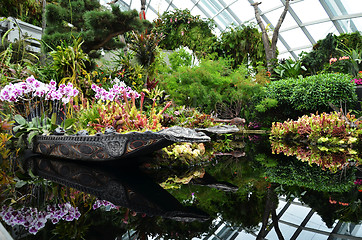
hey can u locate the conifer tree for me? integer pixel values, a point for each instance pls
(87, 19)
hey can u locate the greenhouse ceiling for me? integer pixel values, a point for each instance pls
(307, 21)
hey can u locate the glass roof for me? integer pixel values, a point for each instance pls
(307, 21)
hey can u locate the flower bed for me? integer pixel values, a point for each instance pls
(327, 129)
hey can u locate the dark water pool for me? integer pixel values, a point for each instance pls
(246, 192)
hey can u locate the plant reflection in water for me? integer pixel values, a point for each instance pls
(236, 192)
(33, 219)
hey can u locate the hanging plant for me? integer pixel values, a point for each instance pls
(180, 28)
(244, 45)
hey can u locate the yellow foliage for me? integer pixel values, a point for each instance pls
(5, 178)
(4, 138)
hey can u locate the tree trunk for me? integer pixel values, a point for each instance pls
(270, 210)
(106, 39)
(270, 47)
(143, 5)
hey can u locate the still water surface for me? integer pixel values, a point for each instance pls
(246, 193)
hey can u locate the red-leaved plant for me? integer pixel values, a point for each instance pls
(124, 116)
(333, 128)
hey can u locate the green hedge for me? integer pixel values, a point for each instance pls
(311, 94)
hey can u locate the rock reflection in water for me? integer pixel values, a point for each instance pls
(128, 187)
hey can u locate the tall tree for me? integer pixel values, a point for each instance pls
(270, 47)
(95, 24)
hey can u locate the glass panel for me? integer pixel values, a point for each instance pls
(357, 231)
(243, 10)
(224, 19)
(150, 15)
(215, 4)
(182, 4)
(281, 205)
(103, 2)
(228, 2)
(343, 7)
(333, 7)
(295, 38)
(295, 214)
(350, 229)
(275, 15)
(232, 15)
(351, 6)
(269, 5)
(210, 11)
(281, 47)
(309, 10)
(321, 30)
(123, 5)
(136, 5)
(127, 2)
(220, 23)
(160, 6)
(226, 16)
(196, 11)
(311, 236)
(286, 230)
(316, 222)
(245, 236)
(358, 23)
(306, 50)
(347, 25)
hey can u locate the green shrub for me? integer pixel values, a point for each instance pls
(180, 58)
(306, 95)
(266, 104)
(209, 84)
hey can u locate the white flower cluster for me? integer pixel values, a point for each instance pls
(119, 88)
(31, 88)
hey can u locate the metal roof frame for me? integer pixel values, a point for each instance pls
(224, 15)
